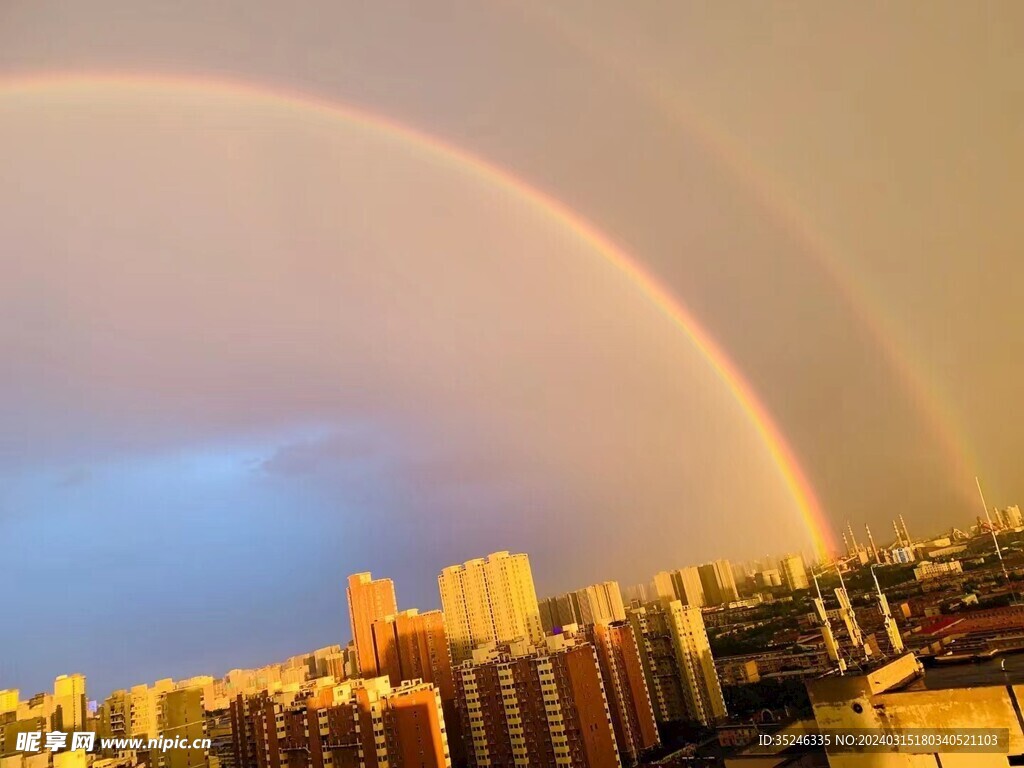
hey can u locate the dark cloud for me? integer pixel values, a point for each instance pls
(328, 453)
(73, 478)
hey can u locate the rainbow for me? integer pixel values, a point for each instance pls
(781, 453)
(771, 194)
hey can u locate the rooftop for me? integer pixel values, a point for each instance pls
(1002, 670)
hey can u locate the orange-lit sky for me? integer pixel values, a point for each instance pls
(250, 348)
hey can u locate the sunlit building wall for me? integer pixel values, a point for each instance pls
(369, 599)
(719, 585)
(683, 584)
(677, 662)
(540, 708)
(625, 686)
(793, 571)
(489, 600)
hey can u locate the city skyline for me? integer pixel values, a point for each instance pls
(292, 296)
(384, 588)
(610, 686)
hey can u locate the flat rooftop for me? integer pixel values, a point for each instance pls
(1002, 670)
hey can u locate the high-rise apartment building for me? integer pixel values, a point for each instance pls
(182, 716)
(144, 708)
(114, 716)
(489, 600)
(524, 707)
(683, 584)
(658, 659)
(557, 612)
(719, 584)
(9, 700)
(794, 572)
(625, 687)
(677, 662)
(365, 723)
(69, 703)
(602, 603)
(413, 646)
(369, 599)
(702, 690)
(598, 602)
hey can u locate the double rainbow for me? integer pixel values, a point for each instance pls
(782, 454)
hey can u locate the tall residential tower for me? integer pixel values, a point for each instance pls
(489, 600)
(369, 599)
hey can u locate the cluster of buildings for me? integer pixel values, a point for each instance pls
(587, 679)
(496, 678)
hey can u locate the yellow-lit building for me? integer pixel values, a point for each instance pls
(718, 582)
(8, 700)
(69, 703)
(182, 716)
(489, 600)
(677, 662)
(683, 584)
(793, 570)
(369, 599)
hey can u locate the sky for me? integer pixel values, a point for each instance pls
(251, 347)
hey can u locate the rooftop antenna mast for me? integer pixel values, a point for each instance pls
(849, 616)
(826, 629)
(891, 630)
(995, 540)
(871, 541)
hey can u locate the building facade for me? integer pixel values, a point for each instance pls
(718, 582)
(683, 584)
(369, 599)
(489, 600)
(636, 730)
(793, 571)
(677, 662)
(530, 708)
(365, 723)
(410, 645)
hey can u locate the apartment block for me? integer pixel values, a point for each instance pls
(677, 662)
(719, 583)
(369, 599)
(414, 646)
(586, 606)
(366, 723)
(636, 730)
(683, 584)
(541, 708)
(489, 600)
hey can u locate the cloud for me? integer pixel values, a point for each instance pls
(308, 457)
(74, 478)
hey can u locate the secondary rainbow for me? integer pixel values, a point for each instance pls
(771, 193)
(783, 456)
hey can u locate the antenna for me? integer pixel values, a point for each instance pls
(995, 540)
(871, 541)
(848, 615)
(906, 533)
(891, 630)
(831, 646)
